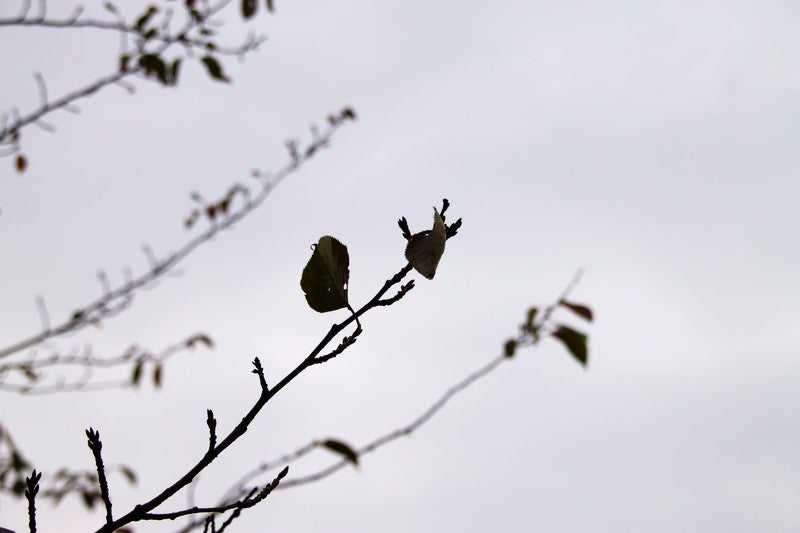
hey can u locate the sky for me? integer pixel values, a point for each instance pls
(652, 144)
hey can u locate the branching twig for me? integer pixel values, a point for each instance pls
(32, 368)
(266, 394)
(114, 301)
(10, 132)
(240, 487)
(253, 497)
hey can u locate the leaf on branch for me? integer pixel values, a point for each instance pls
(425, 249)
(579, 309)
(509, 348)
(136, 374)
(530, 325)
(129, 474)
(157, 375)
(270, 6)
(145, 18)
(214, 69)
(201, 338)
(29, 373)
(173, 72)
(154, 66)
(21, 162)
(342, 449)
(325, 277)
(575, 342)
(249, 8)
(89, 498)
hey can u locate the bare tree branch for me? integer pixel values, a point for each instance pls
(143, 35)
(266, 394)
(114, 301)
(525, 338)
(33, 372)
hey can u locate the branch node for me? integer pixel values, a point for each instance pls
(260, 371)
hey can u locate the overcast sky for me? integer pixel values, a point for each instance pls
(655, 144)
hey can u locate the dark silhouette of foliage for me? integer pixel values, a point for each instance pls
(155, 46)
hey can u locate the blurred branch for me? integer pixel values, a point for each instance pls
(148, 40)
(114, 301)
(135, 358)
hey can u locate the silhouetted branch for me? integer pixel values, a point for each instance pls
(526, 338)
(253, 497)
(113, 302)
(31, 490)
(97, 446)
(266, 394)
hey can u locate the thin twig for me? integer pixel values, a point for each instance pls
(122, 294)
(264, 397)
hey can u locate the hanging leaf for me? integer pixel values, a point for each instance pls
(270, 6)
(129, 474)
(154, 66)
(249, 8)
(89, 498)
(174, 70)
(425, 249)
(509, 348)
(21, 163)
(325, 277)
(136, 375)
(342, 449)
(214, 69)
(580, 310)
(157, 375)
(575, 342)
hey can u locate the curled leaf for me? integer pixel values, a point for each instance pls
(342, 449)
(325, 277)
(425, 249)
